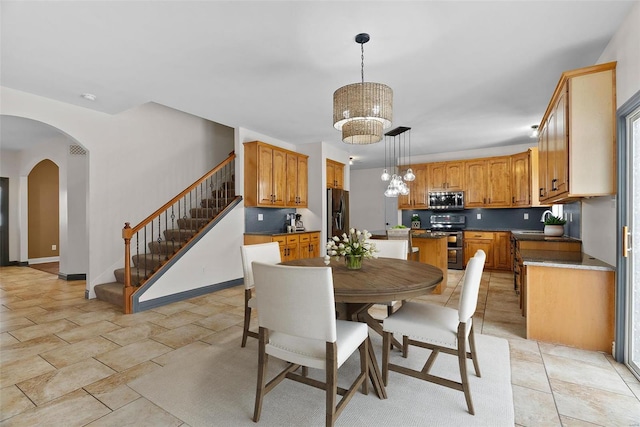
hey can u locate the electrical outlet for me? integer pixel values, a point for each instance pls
(570, 216)
(260, 217)
(53, 247)
(526, 216)
(479, 216)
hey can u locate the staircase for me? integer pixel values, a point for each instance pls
(170, 230)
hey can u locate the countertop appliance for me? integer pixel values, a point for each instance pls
(449, 200)
(337, 212)
(452, 225)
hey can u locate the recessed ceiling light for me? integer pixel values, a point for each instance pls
(89, 96)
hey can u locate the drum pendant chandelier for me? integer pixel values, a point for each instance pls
(362, 111)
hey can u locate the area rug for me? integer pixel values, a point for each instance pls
(216, 387)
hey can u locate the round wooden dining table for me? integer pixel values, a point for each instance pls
(380, 280)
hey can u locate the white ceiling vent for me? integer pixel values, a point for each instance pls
(76, 150)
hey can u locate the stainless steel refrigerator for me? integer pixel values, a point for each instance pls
(337, 212)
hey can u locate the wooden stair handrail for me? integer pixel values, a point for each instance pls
(128, 232)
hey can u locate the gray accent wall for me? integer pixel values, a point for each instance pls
(501, 219)
(272, 219)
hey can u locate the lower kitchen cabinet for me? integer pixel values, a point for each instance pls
(292, 245)
(496, 245)
(570, 306)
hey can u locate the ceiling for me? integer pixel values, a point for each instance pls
(465, 75)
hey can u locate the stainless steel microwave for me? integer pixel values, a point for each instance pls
(446, 200)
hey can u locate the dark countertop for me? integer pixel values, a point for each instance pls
(563, 259)
(519, 235)
(278, 233)
(426, 234)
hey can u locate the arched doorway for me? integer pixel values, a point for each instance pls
(43, 217)
(25, 144)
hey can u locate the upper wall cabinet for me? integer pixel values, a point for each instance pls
(577, 136)
(267, 171)
(335, 174)
(297, 180)
(488, 182)
(417, 197)
(446, 176)
(521, 179)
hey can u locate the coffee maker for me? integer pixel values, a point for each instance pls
(299, 225)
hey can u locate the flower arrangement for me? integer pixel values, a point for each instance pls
(353, 247)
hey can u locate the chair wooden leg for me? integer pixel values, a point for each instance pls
(386, 344)
(364, 365)
(262, 369)
(462, 362)
(247, 316)
(474, 354)
(405, 346)
(331, 383)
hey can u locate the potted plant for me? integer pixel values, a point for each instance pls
(415, 221)
(554, 226)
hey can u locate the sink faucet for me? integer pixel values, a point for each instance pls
(544, 215)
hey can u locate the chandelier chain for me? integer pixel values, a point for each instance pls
(362, 61)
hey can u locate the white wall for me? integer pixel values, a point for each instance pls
(215, 259)
(599, 213)
(10, 168)
(137, 161)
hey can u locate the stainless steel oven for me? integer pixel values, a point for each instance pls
(452, 225)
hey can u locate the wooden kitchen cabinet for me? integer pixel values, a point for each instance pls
(292, 245)
(488, 182)
(577, 136)
(297, 180)
(570, 306)
(502, 250)
(496, 245)
(309, 245)
(418, 197)
(474, 240)
(335, 174)
(266, 177)
(521, 179)
(446, 176)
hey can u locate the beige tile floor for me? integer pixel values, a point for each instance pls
(66, 361)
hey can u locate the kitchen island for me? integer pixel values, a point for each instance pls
(432, 250)
(569, 298)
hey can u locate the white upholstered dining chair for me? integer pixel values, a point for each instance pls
(404, 234)
(391, 249)
(264, 252)
(296, 317)
(439, 329)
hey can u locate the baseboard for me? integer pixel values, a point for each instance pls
(157, 302)
(43, 260)
(70, 277)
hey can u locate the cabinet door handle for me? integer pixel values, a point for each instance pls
(484, 200)
(553, 184)
(513, 199)
(541, 192)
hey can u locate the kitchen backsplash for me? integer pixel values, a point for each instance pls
(272, 219)
(503, 219)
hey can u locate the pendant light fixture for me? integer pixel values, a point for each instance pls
(396, 141)
(362, 110)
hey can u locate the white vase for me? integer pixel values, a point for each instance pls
(554, 230)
